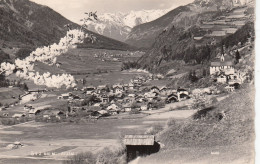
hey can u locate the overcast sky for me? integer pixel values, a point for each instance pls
(74, 9)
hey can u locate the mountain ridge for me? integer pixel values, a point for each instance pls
(184, 16)
(27, 24)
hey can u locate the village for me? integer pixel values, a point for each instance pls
(138, 96)
(135, 82)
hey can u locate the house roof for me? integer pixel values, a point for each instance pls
(198, 37)
(163, 87)
(227, 63)
(18, 115)
(155, 87)
(181, 89)
(139, 140)
(34, 111)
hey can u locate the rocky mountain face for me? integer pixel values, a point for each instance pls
(26, 24)
(119, 25)
(182, 17)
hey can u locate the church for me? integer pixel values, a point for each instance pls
(224, 65)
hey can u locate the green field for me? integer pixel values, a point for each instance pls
(6, 95)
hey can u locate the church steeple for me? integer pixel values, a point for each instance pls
(222, 58)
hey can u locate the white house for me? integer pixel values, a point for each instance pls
(118, 89)
(113, 107)
(90, 90)
(222, 79)
(131, 86)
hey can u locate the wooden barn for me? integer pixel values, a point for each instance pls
(140, 145)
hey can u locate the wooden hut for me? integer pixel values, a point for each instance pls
(140, 145)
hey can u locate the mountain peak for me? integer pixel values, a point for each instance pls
(118, 25)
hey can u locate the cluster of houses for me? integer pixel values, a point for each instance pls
(117, 57)
(223, 70)
(103, 100)
(132, 97)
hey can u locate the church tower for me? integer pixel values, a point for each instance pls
(222, 58)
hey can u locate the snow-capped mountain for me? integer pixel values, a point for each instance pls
(119, 25)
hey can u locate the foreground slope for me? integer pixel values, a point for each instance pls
(221, 134)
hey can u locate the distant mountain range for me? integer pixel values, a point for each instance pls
(119, 25)
(26, 24)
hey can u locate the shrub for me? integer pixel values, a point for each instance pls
(108, 156)
(171, 122)
(130, 64)
(155, 129)
(200, 101)
(105, 156)
(82, 158)
(23, 53)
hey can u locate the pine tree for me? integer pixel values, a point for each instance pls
(237, 56)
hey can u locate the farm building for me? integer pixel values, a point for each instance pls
(155, 89)
(118, 89)
(144, 107)
(27, 107)
(131, 86)
(222, 79)
(140, 145)
(182, 94)
(53, 114)
(113, 107)
(198, 37)
(127, 107)
(17, 115)
(64, 96)
(105, 98)
(34, 112)
(90, 89)
(172, 98)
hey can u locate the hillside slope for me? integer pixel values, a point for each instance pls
(25, 23)
(221, 134)
(182, 17)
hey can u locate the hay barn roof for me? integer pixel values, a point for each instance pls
(139, 140)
